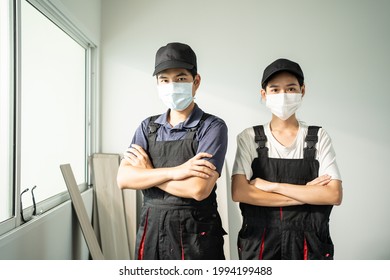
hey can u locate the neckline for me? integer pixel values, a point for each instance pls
(278, 145)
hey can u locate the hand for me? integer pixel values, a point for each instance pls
(194, 167)
(137, 157)
(321, 180)
(263, 185)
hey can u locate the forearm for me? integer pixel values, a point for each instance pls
(193, 187)
(130, 177)
(258, 197)
(330, 194)
(243, 191)
(194, 178)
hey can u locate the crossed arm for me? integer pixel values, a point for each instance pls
(192, 179)
(321, 191)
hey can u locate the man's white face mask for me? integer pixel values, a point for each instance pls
(283, 105)
(176, 96)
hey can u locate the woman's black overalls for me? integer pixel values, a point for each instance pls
(293, 232)
(175, 228)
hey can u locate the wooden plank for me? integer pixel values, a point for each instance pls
(81, 212)
(110, 206)
(133, 202)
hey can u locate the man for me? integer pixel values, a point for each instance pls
(175, 159)
(285, 176)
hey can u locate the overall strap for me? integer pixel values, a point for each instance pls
(153, 127)
(311, 140)
(260, 139)
(191, 132)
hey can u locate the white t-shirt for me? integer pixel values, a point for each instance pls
(246, 151)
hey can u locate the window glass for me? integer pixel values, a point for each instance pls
(53, 106)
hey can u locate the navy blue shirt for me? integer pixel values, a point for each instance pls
(212, 134)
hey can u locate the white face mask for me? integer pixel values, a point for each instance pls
(176, 96)
(283, 105)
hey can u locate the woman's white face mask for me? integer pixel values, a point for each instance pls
(176, 96)
(283, 105)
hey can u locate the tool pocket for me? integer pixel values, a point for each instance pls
(250, 242)
(202, 236)
(318, 249)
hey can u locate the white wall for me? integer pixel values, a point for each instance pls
(85, 14)
(342, 47)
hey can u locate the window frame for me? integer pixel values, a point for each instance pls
(10, 223)
(92, 142)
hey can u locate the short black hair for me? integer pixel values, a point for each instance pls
(193, 72)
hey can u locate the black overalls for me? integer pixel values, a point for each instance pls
(293, 232)
(174, 228)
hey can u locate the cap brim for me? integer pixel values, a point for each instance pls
(172, 64)
(266, 79)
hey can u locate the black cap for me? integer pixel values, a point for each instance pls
(280, 65)
(174, 55)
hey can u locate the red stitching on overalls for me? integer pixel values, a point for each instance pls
(142, 243)
(305, 249)
(262, 246)
(281, 213)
